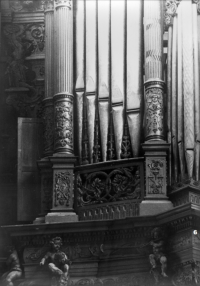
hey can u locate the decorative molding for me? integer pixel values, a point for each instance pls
(65, 3)
(154, 110)
(126, 143)
(62, 188)
(63, 123)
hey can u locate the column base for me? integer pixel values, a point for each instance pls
(153, 207)
(61, 217)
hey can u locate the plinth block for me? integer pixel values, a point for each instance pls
(154, 207)
(61, 217)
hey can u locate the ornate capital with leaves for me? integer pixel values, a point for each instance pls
(170, 11)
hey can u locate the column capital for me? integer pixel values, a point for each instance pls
(63, 3)
(49, 6)
(198, 7)
(170, 11)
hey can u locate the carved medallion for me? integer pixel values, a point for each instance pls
(62, 189)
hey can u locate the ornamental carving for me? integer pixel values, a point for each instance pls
(187, 276)
(155, 176)
(49, 5)
(67, 3)
(63, 125)
(154, 113)
(48, 129)
(27, 6)
(170, 11)
(101, 187)
(62, 189)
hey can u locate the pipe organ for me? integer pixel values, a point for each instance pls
(109, 79)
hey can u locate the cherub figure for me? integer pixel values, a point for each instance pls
(58, 262)
(158, 255)
(14, 270)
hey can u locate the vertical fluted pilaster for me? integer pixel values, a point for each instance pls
(154, 86)
(63, 98)
(64, 46)
(49, 55)
(153, 30)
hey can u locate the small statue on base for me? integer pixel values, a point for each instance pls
(14, 270)
(158, 256)
(58, 263)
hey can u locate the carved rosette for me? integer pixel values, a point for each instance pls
(48, 126)
(63, 123)
(154, 110)
(155, 177)
(63, 186)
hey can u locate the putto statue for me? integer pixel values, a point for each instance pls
(14, 270)
(158, 258)
(58, 263)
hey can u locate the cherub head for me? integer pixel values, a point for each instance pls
(56, 243)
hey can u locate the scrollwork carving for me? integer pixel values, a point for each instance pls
(63, 124)
(62, 188)
(102, 187)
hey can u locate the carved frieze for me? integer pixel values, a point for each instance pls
(62, 188)
(101, 187)
(63, 123)
(27, 6)
(154, 110)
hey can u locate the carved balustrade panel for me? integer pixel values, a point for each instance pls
(110, 190)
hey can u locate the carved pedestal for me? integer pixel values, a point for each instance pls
(63, 161)
(156, 200)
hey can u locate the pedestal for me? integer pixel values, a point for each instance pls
(63, 189)
(156, 200)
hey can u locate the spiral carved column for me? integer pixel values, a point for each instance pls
(155, 147)
(63, 159)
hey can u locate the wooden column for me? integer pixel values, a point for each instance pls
(63, 159)
(155, 147)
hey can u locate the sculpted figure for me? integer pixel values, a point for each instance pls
(14, 270)
(158, 257)
(58, 263)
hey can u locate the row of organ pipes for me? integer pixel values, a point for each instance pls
(118, 48)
